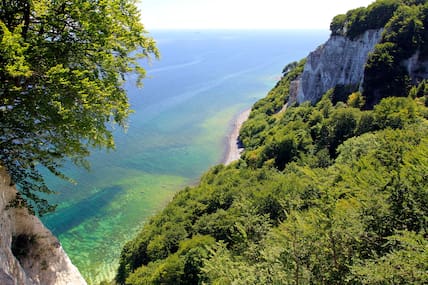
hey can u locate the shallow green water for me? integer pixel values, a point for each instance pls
(181, 121)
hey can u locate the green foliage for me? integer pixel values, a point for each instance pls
(261, 116)
(419, 90)
(182, 267)
(384, 76)
(356, 178)
(340, 93)
(405, 29)
(407, 264)
(396, 113)
(331, 193)
(62, 65)
(404, 35)
(357, 21)
(304, 132)
(356, 100)
(350, 221)
(337, 24)
(405, 25)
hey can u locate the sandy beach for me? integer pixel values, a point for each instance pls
(233, 152)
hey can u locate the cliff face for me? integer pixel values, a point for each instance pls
(416, 67)
(339, 61)
(29, 253)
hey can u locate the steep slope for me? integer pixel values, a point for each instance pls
(291, 213)
(330, 191)
(340, 61)
(380, 50)
(29, 253)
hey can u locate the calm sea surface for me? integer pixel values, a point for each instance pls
(181, 121)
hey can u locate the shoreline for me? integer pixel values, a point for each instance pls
(233, 151)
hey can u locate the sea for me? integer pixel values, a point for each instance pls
(182, 117)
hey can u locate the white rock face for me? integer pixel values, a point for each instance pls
(44, 262)
(339, 61)
(416, 67)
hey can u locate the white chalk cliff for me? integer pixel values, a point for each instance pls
(339, 61)
(37, 256)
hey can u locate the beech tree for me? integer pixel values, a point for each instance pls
(62, 66)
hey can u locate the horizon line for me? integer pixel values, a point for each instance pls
(237, 29)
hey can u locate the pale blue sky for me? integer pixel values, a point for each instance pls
(243, 14)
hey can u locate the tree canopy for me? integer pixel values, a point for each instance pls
(62, 66)
(331, 193)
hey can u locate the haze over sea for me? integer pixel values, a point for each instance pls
(182, 117)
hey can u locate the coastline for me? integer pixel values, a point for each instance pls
(233, 150)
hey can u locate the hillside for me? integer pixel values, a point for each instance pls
(332, 187)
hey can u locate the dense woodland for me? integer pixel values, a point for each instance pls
(331, 193)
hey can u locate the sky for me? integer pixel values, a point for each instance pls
(243, 14)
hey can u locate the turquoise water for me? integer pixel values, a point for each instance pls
(181, 121)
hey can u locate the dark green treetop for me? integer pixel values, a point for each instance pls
(62, 66)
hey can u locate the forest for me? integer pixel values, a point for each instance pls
(330, 193)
